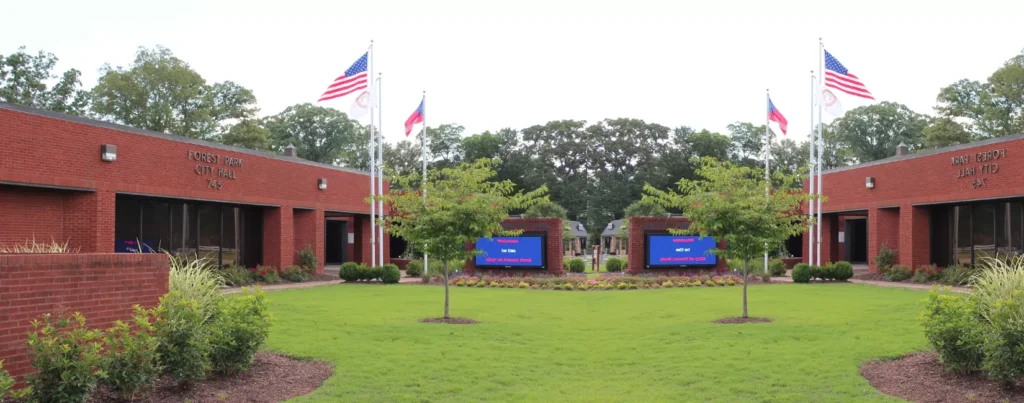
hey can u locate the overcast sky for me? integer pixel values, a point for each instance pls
(489, 67)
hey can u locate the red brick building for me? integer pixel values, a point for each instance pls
(105, 188)
(945, 206)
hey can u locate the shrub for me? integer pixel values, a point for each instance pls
(886, 258)
(350, 272)
(927, 273)
(897, 273)
(197, 280)
(236, 275)
(307, 259)
(801, 273)
(614, 264)
(66, 356)
(184, 342)
(295, 274)
(817, 272)
(951, 326)
(777, 267)
(843, 271)
(1004, 342)
(414, 268)
(958, 275)
(828, 272)
(390, 274)
(622, 286)
(373, 273)
(237, 331)
(131, 362)
(577, 265)
(7, 383)
(267, 274)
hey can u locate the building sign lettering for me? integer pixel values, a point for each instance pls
(985, 163)
(215, 167)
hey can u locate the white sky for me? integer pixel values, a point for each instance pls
(493, 66)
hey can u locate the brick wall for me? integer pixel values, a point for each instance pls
(45, 225)
(903, 185)
(103, 287)
(157, 164)
(635, 252)
(553, 228)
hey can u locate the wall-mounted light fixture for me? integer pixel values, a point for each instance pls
(108, 152)
(869, 182)
(322, 184)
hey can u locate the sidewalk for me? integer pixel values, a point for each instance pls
(909, 286)
(288, 286)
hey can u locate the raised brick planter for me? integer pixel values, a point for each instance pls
(553, 227)
(103, 287)
(639, 225)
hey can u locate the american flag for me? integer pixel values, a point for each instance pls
(838, 77)
(353, 80)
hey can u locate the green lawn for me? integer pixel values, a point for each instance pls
(641, 345)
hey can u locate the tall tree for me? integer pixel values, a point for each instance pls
(944, 132)
(988, 109)
(789, 157)
(461, 205)
(320, 134)
(549, 209)
(26, 80)
(403, 157)
(624, 157)
(248, 133)
(728, 203)
(872, 132)
(445, 144)
(639, 208)
(563, 150)
(747, 143)
(161, 92)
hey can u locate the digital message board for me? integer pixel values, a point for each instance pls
(668, 251)
(521, 252)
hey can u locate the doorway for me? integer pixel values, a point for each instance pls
(336, 242)
(856, 242)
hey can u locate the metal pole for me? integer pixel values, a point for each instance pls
(810, 180)
(767, 176)
(821, 146)
(373, 182)
(423, 147)
(380, 165)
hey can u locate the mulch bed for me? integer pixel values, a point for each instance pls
(323, 277)
(450, 321)
(272, 378)
(921, 378)
(729, 321)
(869, 276)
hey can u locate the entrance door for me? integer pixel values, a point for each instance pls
(856, 240)
(336, 242)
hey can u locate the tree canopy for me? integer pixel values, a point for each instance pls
(30, 80)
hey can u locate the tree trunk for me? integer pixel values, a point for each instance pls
(745, 288)
(446, 292)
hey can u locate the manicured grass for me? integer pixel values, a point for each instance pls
(641, 345)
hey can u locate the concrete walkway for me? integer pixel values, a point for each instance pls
(909, 286)
(284, 286)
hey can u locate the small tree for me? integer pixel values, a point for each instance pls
(728, 202)
(461, 205)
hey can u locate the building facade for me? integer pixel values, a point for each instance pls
(954, 205)
(107, 188)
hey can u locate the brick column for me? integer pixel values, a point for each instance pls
(88, 222)
(829, 238)
(915, 236)
(309, 230)
(883, 228)
(278, 242)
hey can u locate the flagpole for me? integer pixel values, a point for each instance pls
(767, 150)
(810, 181)
(373, 182)
(423, 147)
(380, 165)
(821, 146)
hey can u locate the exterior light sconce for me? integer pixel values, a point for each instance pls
(108, 153)
(869, 182)
(322, 184)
